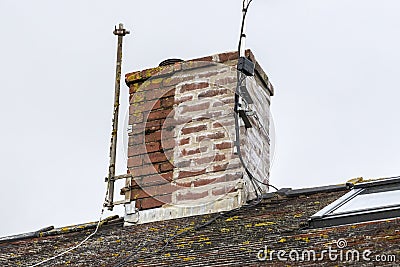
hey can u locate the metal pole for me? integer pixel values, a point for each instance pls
(120, 32)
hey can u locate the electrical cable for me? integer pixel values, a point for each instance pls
(244, 9)
(75, 247)
(255, 182)
(81, 243)
(236, 108)
(168, 240)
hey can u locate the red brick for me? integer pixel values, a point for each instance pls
(151, 84)
(153, 191)
(168, 175)
(170, 92)
(152, 147)
(210, 159)
(137, 128)
(135, 99)
(188, 152)
(209, 74)
(229, 100)
(149, 203)
(144, 170)
(145, 106)
(168, 132)
(136, 139)
(153, 137)
(183, 99)
(133, 183)
(232, 177)
(215, 114)
(218, 135)
(184, 184)
(212, 93)
(160, 93)
(153, 125)
(155, 179)
(136, 150)
(222, 167)
(226, 80)
(169, 153)
(182, 164)
(226, 166)
(156, 157)
(206, 59)
(184, 174)
(203, 182)
(217, 104)
(164, 70)
(133, 88)
(195, 107)
(223, 57)
(169, 123)
(168, 144)
(135, 118)
(167, 102)
(184, 141)
(193, 129)
(135, 161)
(172, 81)
(167, 166)
(223, 191)
(219, 125)
(159, 114)
(191, 195)
(133, 76)
(223, 145)
(163, 189)
(194, 86)
(137, 193)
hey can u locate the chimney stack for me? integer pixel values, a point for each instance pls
(181, 154)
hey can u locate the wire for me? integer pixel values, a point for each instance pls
(256, 186)
(168, 240)
(255, 182)
(245, 8)
(77, 246)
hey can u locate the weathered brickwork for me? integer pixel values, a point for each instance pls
(181, 147)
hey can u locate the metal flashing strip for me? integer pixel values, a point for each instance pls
(314, 190)
(386, 181)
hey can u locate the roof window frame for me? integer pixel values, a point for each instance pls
(327, 217)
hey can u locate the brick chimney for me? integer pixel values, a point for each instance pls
(181, 153)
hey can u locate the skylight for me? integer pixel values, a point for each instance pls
(369, 201)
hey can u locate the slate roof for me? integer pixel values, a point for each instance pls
(279, 221)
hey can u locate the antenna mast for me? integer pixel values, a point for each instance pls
(242, 40)
(120, 32)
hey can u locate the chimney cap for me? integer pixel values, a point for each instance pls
(170, 61)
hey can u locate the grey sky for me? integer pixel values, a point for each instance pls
(334, 65)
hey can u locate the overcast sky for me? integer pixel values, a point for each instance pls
(334, 66)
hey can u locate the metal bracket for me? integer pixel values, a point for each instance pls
(120, 31)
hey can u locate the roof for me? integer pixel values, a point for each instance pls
(279, 222)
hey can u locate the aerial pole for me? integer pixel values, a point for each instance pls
(120, 32)
(242, 40)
